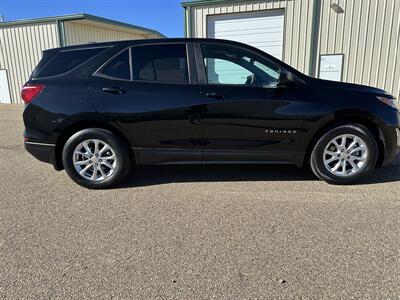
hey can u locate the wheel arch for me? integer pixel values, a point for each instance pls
(342, 120)
(68, 131)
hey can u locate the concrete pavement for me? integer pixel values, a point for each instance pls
(194, 232)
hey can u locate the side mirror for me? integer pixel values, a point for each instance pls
(286, 79)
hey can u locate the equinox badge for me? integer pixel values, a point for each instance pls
(281, 131)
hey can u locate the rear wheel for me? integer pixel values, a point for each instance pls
(95, 158)
(344, 154)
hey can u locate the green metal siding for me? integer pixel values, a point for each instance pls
(21, 49)
(297, 31)
(367, 33)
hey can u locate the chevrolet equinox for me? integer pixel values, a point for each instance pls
(96, 110)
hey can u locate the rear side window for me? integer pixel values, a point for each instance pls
(163, 63)
(65, 61)
(118, 67)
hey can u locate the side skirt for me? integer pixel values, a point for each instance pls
(175, 156)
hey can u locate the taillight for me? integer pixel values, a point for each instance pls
(30, 91)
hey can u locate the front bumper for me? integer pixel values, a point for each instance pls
(391, 138)
(41, 151)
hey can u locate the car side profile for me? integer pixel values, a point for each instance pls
(96, 110)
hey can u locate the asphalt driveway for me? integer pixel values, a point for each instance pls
(194, 232)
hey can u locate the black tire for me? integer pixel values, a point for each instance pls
(316, 159)
(121, 154)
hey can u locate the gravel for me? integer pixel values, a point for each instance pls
(194, 232)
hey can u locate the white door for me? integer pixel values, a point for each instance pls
(261, 29)
(4, 88)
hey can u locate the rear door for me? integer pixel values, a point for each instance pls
(247, 117)
(151, 93)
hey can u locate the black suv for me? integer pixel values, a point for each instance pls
(98, 109)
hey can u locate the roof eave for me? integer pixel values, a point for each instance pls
(204, 2)
(82, 16)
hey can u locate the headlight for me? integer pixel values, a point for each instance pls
(393, 102)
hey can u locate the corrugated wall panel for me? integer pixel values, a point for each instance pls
(394, 58)
(21, 49)
(297, 33)
(367, 33)
(78, 33)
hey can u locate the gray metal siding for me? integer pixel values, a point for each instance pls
(21, 49)
(367, 33)
(21, 45)
(297, 32)
(78, 33)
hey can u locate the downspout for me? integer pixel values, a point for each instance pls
(314, 40)
(188, 22)
(61, 33)
(185, 25)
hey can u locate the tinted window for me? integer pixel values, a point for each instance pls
(119, 66)
(65, 61)
(164, 63)
(231, 66)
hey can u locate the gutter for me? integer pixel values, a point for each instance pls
(82, 16)
(207, 2)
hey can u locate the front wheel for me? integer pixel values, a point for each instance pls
(344, 154)
(95, 158)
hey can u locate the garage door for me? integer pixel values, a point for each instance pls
(262, 29)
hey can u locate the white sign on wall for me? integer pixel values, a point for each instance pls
(330, 66)
(4, 88)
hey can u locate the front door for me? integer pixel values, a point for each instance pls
(247, 116)
(156, 101)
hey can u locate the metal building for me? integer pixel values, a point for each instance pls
(355, 41)
(22, 43)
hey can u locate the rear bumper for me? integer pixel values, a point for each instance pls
(41, 151)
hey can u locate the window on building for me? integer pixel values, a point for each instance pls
(237, 67)
(163, 63)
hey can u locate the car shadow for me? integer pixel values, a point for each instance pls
(390, 173)
(164, 174)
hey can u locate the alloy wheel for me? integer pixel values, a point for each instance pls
(94, 160)
(345, 155)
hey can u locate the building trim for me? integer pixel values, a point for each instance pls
(314, 40)
(206, 2)
(82, 16)
(61, 33)
(188, 22)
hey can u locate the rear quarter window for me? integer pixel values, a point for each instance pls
(65, 61)
(118, 67)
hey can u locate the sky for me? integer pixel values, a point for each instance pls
(165, 16)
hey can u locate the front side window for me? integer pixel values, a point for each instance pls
(160, 63)
(118, 67)
(236, 67)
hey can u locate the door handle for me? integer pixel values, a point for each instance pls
(215, 95)
(194, 120)
(114, 90)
